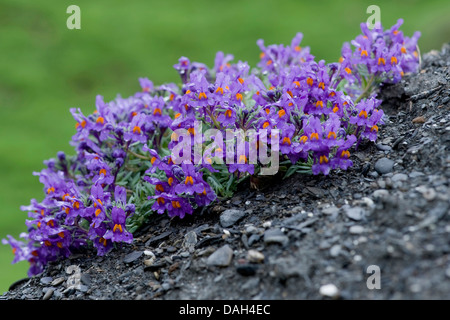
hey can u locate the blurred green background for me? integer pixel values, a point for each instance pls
(45, 68)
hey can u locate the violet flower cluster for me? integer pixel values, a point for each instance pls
(125, 169)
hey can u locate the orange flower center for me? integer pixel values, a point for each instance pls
(363, 113)
(242, 159)
(219, 89)
(323, 159)
(137, 130)
(345, 154)
(189, 180)
(176, 204)
(118, 227)
(286, 140)
(303, 139)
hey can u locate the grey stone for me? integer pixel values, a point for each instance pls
(221, 257)
(399, 177)
(355, 213)
(46, 280)
(356, 229)
(171, 249)
(335, 250)
(84, 288)
(384, 165)
(275, 236)
(48, 294)
(415, 174)
(332, 210)
(230, 217)
(383, 147)
(190, 239)
(253, 238)
(380, 193)
(58, 281)
(86, 279)
(133, 256)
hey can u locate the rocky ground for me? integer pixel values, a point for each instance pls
(306, 237)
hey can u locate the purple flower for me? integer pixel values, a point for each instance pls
(193, 181)
(371, 130)
(228, 117)
(242, 165)
(146, 85)
(331, 131)
(20, 250)
(363, 110)
(200, 89)
(286, 135)
(96, 235)
(118, 232)
(183, 66)
(312, 135)
(161, 202)
(156, 107)
(120, 195)
(222, 62)
(206, 196)
(321, 164)
(341, 159)
(178, 207)
(135, 130)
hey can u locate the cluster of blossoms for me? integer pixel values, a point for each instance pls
(126, 168)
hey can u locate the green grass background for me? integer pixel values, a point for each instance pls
(45, 68)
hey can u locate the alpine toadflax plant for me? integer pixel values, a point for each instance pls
(149, 152)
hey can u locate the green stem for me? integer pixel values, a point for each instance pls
(138, 155)
(366, 89)
(216, 124)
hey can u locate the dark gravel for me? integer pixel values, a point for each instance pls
(306, 237)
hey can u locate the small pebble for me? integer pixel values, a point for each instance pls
(267, 224)
(356, 229)
(230, 217)
(355, 213)
(48, 294)
(133, 256)
(275, 236)
(419, 119)
(221, 257)
(58, 281)
(46, 280)
(384, 165)
(255, 256)
(330, 291)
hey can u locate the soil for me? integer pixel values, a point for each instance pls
(380, 230)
